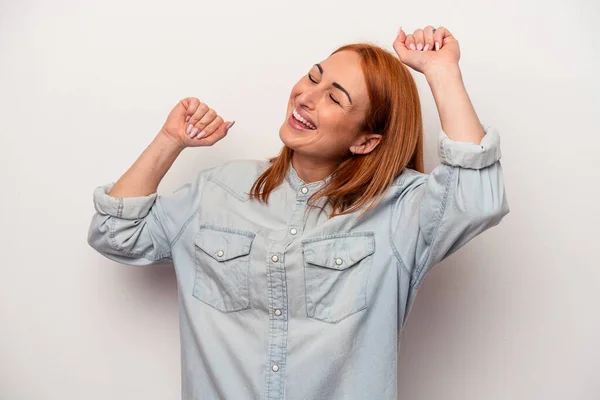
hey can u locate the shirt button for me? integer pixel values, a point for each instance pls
(304, 190)
(293, 231)
(338, 261)
(275, 258)
(278, 312)
(275, 367)
(220, 253)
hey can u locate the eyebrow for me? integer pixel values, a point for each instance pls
(335, 84)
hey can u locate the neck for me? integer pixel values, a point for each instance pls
(311, 169)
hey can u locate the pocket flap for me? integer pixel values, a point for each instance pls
(338, 252)
(224, 244)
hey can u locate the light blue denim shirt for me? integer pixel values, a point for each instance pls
(278, 301)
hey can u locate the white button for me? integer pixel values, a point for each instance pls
(220, 253)
(304, 190)
(293, 231)
(278, 312)
(338, 261)
(275, 258)
(275, 368)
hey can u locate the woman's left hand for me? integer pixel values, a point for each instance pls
(427, 49)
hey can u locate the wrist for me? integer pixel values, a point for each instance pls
(169, 142)
(441, 74)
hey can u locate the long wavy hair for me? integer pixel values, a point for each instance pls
(394, 112)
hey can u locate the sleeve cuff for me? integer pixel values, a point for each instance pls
(126, 207)
(468, 154)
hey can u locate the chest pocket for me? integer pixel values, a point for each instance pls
(336, 268)
(223, 267)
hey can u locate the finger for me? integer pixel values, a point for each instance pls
(210, 128)
(219, 134)
(439, 36)
(190, 104)
(203, 123)
(196, 116)
(419, 39)
(428, 33)
(410, 42)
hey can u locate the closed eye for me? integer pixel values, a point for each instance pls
(330, 96)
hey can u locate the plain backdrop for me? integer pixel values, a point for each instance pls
(84, 88)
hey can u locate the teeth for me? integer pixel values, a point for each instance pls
(299, 118)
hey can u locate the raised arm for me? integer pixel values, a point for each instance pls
(464, 195)
(132, 224)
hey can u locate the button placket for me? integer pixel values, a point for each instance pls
(278, 324)
(303, 193)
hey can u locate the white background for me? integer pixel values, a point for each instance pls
(85, 87)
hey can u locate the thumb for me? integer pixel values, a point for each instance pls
(186, 104)
(224, 128)
(399, 44)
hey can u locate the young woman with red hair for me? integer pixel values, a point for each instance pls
(296, 274)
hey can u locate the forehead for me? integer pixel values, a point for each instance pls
(345, 68)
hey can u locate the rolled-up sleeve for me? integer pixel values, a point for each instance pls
(141, 230)
(461, 198)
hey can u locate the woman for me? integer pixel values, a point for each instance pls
(296, 274)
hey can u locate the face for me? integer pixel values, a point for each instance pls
(332, 100)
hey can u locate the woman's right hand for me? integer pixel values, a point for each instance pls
(195, 124)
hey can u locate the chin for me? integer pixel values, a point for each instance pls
(286, 135)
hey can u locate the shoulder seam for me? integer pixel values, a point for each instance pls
(415, 279)
(228, 189)
(394, 249)
(194, 212)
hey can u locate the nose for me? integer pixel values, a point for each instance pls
(308, 98)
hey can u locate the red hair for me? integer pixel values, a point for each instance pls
(394, 112)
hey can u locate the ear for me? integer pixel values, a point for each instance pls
(365, 143)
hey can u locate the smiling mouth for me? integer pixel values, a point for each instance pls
(299, 122)
(298, 125)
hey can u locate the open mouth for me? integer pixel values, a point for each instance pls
(299, 122)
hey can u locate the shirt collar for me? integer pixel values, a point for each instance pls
(297, 184)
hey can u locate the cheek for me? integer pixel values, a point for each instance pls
(333, 119)
(296, 89)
